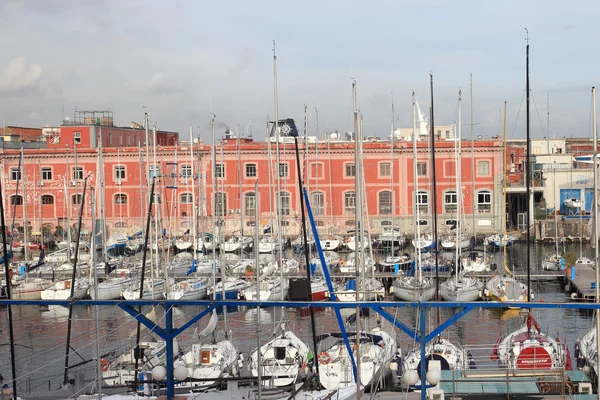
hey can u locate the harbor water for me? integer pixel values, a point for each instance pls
(40, 333)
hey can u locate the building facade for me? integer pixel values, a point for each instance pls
(51, 182)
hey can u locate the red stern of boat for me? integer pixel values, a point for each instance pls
(534, 358)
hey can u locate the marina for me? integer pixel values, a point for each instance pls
(373, 245)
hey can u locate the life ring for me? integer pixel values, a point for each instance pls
(103, 365)
(324, 358)
(123, 274)
(342, 263)
(348, 239)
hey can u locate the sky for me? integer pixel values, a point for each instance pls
(178, 59)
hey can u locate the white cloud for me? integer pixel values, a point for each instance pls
(19, 77)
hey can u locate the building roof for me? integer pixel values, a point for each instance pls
(26, 134)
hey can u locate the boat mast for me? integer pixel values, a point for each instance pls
(256, 260)
(416, 196)
(194, 215)
(527, 171)
(435, 226)
(595, 242)
(239, 148)
(213, 156)
(458, 169)
(23, 173)
(392, 178)
(95, 277)
(278, 160)
(472, 158)
(504, 240)
(357, 229)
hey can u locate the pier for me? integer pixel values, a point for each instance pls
(581, 283)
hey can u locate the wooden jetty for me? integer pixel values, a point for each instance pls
(581, 283)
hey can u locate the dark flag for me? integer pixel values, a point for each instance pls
(287, 127)
(267, 230)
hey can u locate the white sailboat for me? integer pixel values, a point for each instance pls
(461, 287)
(451, 356)
(270, 289)
(61, 290)
(111, 289)
(282, 359)
(415, 288)
(376, 350)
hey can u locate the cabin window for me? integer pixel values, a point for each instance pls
(47, 199)
(385, 169)
(422, 222)
(279, 353)
(317, 203)
(186, 171)
(186, 198)
(350, 170)
(385, 202)
(349, 202)
(250, 203)
(423, 202)
(250, 170)
(484, 201)
(422, 168)
(450, 201)
(450, 222)
(46, 173)
(386, 223)
(15, 174)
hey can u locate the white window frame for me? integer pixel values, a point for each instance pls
(484, 206)
(250, 173)
(15, 174)
(120, 172)
(389, 205)
(77, 173)
(450, 206)
(423, 206)
(349, 202)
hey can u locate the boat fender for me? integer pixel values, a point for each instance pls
(324, 358)
(123, 274)
(103, 365)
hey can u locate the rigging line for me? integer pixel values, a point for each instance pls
(517, 117)
(538, 113)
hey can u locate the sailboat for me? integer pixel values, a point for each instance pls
(451, 356)
(529, 348)
(414, 287)
(505, 288)
(377, 348)
(552, 262)
(282, 358)
(461, 287)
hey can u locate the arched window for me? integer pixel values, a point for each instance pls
(450, 201)
(186, 198)
(423, 202)
(76, 199)
(317, 203)
(16, 200)
(47, 199)
(484, 201)
(250, 201)
(220, 204)
(385, 202)
(285, 203)
(349, 202)
(120, 198)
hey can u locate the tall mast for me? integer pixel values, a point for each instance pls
(357, 229)
(157, 217)
(435, 230)
(548, 121)
(472, 156)
(194, 213)
(213, 156)
(392, 177)
(416, 196)
(458, 185)
(504, 194)
(527, 171)
(279, 230)
(23, 173)
(239, 143)
(595, 243)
